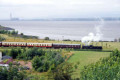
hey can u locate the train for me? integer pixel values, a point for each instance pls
(48, 45)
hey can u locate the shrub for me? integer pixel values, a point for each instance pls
(28, 54)
(62, 72)
(46, 38)
(48, 61)
(2, 38)
(106, 69)
(14, 53)
(12, 73)
(21, 34)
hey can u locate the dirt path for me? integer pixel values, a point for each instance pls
(26, 63)
(69, 55)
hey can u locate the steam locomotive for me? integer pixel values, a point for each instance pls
(47, 45)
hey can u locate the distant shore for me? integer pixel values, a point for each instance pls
(66, 19)
(6, 28)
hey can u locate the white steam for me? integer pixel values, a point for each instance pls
(94, 36)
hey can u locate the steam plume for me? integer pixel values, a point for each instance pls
(94, 36)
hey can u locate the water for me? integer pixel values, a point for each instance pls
(60, 30)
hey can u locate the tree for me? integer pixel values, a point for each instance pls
(40, 64)
(36, 62)
(2, 38)
(12, 73)
(3, 73)
(62, 72)
(30, 53)
(46, 38)
(49, 60)
(22, 34)
(13, 53)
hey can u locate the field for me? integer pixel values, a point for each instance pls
(81, 58)
(85, 58)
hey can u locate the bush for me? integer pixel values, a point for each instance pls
(42, 60)
(105, 69)
(28, 54)
(12, 73)
(14, 53)
(13, 32)
(62, 72)
(66, 40)
(47, 62)
(2, 38)
(46, 38)
(22, 34)
(39, 64)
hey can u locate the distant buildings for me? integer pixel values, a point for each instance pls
(13, 18)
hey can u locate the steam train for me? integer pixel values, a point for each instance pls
(47, 45)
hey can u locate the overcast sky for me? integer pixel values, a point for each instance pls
(29, 9)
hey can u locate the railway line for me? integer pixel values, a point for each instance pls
(47, 45)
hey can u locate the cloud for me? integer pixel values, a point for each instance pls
(57, 2)
(59, 8)
(25, 2)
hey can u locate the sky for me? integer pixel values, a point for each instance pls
(29, 9)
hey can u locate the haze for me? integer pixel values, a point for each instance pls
(28, 9)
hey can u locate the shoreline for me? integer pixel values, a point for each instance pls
(3, 28)
(6, 28)
(31, 36)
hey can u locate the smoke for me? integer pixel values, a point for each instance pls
(94, 36)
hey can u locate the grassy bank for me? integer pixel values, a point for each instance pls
(85, 58)
(105, 45)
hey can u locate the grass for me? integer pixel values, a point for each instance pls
(105, 45)
(108, 45)
(82, 57)
(85, 58)
(18, 39)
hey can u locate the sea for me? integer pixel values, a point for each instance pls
(61, 30)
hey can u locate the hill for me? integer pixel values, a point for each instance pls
(5, 28)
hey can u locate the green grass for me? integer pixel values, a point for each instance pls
(105, 45)
(85, 58)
